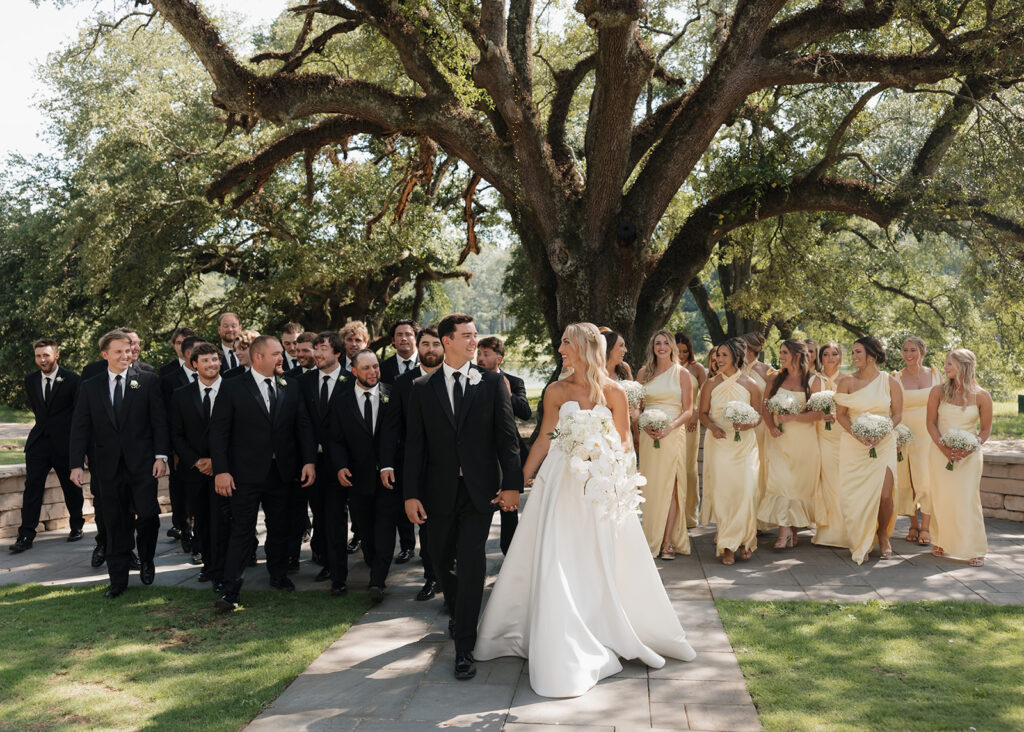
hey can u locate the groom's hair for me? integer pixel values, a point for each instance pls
(447, 325)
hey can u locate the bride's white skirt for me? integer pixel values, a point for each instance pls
(577, 592)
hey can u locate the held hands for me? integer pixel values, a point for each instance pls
(507, 500)
(387, 478)
(77, 476)
(308, 475)
(345, 477)
(204, 466)
(159, 468)
(414, 511)
(224, 484)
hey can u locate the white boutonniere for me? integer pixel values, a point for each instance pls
(281, 381)
(133, 384)
(59, 379)
(474, 377)
(384, 398)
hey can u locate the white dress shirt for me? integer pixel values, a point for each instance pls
(331, 383)
(214, 388)
(374, 393)
(414, 361)
(449, 381)
(52, 376)
(228, 350)
(261, 384)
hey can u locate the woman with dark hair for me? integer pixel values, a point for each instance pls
(692, 444)
(615, 353)
(730, 466)
(866, 494)
(831, 530)
(912, 474)
(791, 448)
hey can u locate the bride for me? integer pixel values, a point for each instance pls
(578, 589)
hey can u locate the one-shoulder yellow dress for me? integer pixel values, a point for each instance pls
(730, 474)
(794, 467)
(860, 475)
(828, 516)
(691, 444)
(663, 466)
(912, 480)
(958, 524)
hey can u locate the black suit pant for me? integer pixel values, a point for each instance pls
(177, 487)
(509, 522)
(406, 533)
(197, 488)
(301, 502)
(129, 502)
(39, 459)
(461, 536)
(272, 493)
(335, 522)
(218, 533)
(378, 514)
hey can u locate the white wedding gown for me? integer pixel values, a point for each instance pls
(576, 591)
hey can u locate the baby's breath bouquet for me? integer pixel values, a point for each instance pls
(904, 436)
(824, 402)
(634, 392)
(871, 427)
(656, 420)
(739, 413)
(959, 440)
(783, 404)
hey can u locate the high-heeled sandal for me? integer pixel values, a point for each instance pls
(976, 562)
(667, 553)
(924, 538)
(938, 551)
(913, 534)
(781, 545)
(728, 558)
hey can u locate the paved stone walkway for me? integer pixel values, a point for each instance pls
(392, 671)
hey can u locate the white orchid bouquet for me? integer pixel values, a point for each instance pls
(656, 420)
(904, 436)
(589, 439)
(870, 426)
(634, 392)
(959, 440)
(737, 413)
(783, 404)
(824, 402)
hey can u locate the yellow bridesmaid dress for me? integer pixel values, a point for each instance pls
(730, 474)
(831, 529)
(860, 475)
(794, 467)
(958, 525)
(691, 444)
(912, 479)
(663, 466)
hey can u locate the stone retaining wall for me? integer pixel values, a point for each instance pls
(54, 514)
(1002, 486)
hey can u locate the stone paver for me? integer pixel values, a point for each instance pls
(392, 671)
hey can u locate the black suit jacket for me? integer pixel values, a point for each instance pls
(136, 436)
(389, 368)
(190, 430)
(392, 439)
(309, 383)
(483, 442)
(53, 420)
(245, 439)
(168, 367)
(352, 445)
(520, 404)
(96, 368)
(232, 373)
(171, 381)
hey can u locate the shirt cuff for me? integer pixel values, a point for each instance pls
(162, 457)
(383, 469)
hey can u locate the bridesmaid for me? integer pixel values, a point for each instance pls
(831, 530)
(730, 467)
(692, 444)
(791, 449)
(666, 387)
(813, 360)
(958, 525)
(911, 490)
(759, 371)
(866, 495)
(615, 352)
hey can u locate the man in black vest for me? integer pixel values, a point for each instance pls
(261, 441)
(461, 462)
(120, 415)
(51, 391)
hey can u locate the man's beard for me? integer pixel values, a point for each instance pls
(431, 360)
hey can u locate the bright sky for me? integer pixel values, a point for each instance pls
(34, 32)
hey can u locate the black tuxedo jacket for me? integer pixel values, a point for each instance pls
(309, 384)
(520, 404)
(392, 439)
(96, 368)
(483, 442)
(232, 373)
(390, 367)
(53, 420)
(137, 435)
(173, 380)
(245, 439)
(169, 367)
(352, 445)
(298, 371)
(190, 430)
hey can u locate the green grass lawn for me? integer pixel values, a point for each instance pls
(15, 415)
(875, 666)
(157, 658)
(1006, 423)
(12, 451)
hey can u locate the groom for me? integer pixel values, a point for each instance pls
(461, 459)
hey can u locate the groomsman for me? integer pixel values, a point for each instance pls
(356, 432)
(178, 336)
(321, 390)
(305, 362)
(489, 355)
(289, 337)
(52, 391)
(228, 328)
(173, 379)
(392, 441)
(137, 351)
(95, 368)
(299, 502)
(261, 441)
(403, 338)
(191, 408)
(121, 415)
(356, 338)
(461, 459)
(240, 352)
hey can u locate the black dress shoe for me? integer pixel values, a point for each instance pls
(428, 591)
(403, 556)
(197, 558)
(133, 561)
(226, 602)
(338, 590)
(174, 533)
(293, 564)
(114, 591)
(282, 583)
(204, 576)
(376, 594)
(75, 535)
(21, 545)
(147, 572)
(353, 546)
(451, 628)
(464, 668)
(324, 575)
(186, 543)
(98, 556)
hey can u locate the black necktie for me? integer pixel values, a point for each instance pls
(368, 411)
(408, 364)
(232, 359)
(271, 394)
(195, 376)
(46, 391)
(457, 393)
(324, 395)
(118, 395)
(207, 405)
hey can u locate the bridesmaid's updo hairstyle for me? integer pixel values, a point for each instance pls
(652, 361)
(590, 359)
(738, 348)
(754, 341)
(967, 364)
(798, 350)
(873, 347)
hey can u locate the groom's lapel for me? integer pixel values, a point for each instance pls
(437, 381)
(467, 399)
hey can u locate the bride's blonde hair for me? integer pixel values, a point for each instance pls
(590, 358)
(967, 362)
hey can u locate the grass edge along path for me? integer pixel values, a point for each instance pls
(878, 665)
(158, 657)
